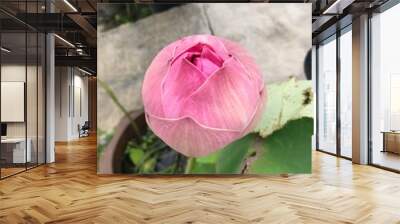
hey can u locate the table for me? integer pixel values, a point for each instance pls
(391, 141)
(17, 150)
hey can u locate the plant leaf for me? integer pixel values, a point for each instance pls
(228, 160)
(136, 155)
(287, 150)
(202, 168)
(148, 166)
(286, 101)
(212, 158)
(231, 158)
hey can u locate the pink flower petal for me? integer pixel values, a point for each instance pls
(213, 42)
(182, 79)
(190, 138)
(208, 62)
(227, 99)
(247, 61)
(208, 54)
(151, 88)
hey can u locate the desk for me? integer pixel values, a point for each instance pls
(391, 141)
(16, 147)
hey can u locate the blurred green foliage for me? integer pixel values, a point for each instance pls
(151, 155)
(104, 137)
(113, 15)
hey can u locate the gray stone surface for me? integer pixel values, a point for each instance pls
(277, 35)
(124, 53)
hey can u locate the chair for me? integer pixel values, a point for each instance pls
(84, 130)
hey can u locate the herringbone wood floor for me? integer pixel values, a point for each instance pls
(69, 191)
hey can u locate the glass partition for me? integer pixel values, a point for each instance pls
(22, 77)
(41, 109)
(346, 92)
(31, 100)
(385, 89)
(327, 95)
(14, 153)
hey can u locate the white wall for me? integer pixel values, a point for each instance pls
(80, 104)
(15, 73)
(61, 103)
(71, 94)
(34, 125)
(12, 100)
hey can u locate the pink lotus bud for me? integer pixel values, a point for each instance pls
(201, 93)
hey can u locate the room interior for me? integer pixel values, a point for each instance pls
(334, 79)
(22, 102)
(71, 100)
(30, 91)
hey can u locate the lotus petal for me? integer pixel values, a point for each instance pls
(188, 43)
(181, 81)
(246, 61)
(190, 138)
(228, 99)
(151, 88)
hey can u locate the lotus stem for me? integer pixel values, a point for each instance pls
(189, 165)
(114, 98)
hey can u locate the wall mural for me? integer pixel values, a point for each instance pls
(204, 89)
